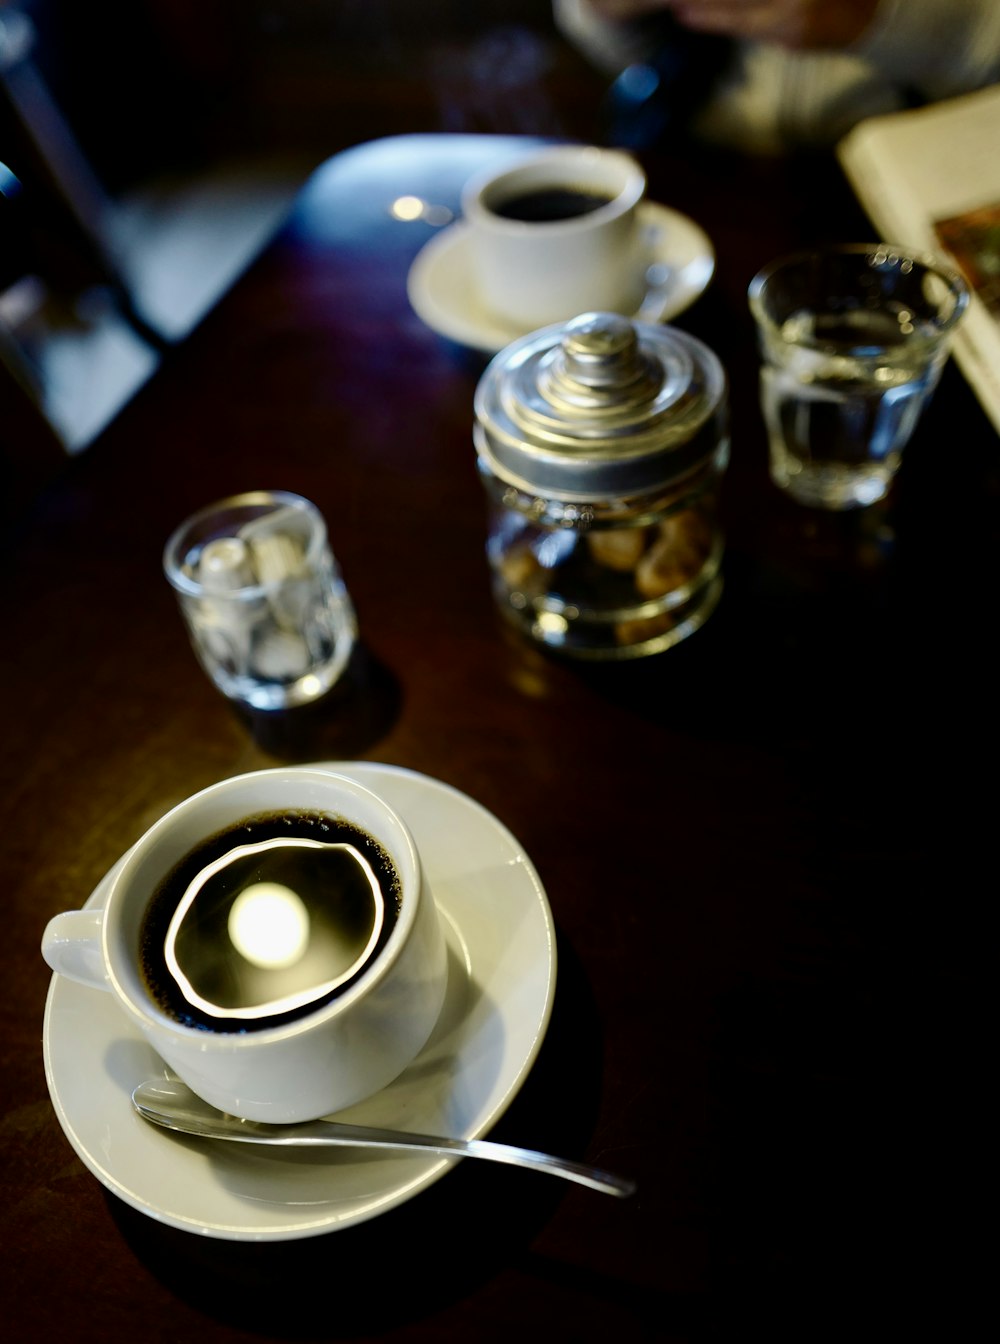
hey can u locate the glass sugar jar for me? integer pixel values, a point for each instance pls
(602, 443)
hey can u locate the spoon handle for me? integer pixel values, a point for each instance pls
(330, 1132)
(172, 1106)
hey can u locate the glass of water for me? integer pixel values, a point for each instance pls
(852, 341)
(266, 609)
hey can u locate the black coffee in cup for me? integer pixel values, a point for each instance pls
(267, 921)
(548, 205)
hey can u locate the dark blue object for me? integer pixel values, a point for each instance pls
(661, 96)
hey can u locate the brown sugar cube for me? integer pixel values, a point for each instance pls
(659, 570)
(619, 549)
(676, 557)
(690, 532)
(642, 628)
(520, 568)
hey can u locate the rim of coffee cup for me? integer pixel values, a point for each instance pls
(556, 166)
(117, 939)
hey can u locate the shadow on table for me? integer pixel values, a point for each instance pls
(466, 1229)
(349, 720)
(817, 613)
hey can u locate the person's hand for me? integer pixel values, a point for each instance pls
(802, 24)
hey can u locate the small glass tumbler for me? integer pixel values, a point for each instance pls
(853, 340)
(269, 617)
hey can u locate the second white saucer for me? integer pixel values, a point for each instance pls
(442, 290)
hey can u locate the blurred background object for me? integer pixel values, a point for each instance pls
(151, 149)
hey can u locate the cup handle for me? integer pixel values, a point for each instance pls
(71, 944)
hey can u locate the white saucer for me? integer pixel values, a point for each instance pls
(442, 291)
(501, 943)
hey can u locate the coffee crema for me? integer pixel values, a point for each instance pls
(548, 205)
(267, 921)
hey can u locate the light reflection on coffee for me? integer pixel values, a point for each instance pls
(269, 925)
(268, 921)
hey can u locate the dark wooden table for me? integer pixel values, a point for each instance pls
(763, 849)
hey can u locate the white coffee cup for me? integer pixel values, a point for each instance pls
(531, 272)
(320, 1061)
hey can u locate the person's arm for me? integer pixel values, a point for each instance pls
(612, 38)
(939, 47)
(797, 24)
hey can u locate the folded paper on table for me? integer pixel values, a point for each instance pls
(929, 178)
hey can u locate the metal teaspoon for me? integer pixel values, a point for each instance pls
(170, 1104)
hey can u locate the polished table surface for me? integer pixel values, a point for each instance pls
(762, 849)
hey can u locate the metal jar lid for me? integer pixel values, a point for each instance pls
(600, 406)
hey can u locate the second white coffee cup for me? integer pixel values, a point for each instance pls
(305, 1062)
(557, 234)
